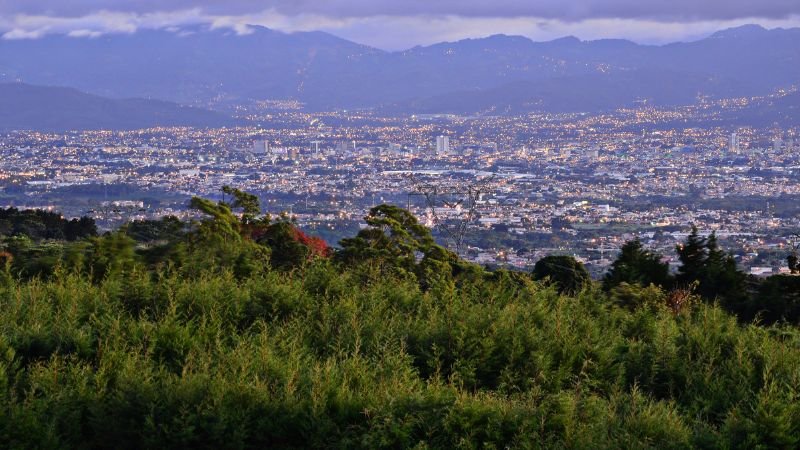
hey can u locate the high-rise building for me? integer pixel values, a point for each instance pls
(733, 145)
(260, 147)
(442, 145)
(345, 147)
(776, 144)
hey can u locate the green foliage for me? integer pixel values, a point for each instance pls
(633, 296)
(202, 343)
(636, 265)
(110, 255)
(29, 259)
(395, 242)
(222, 224)
(248, 203)
(778, 299)
(287, 251)
(393, 237)
(715, 272)
(324, 359)
(169, 228)
(39, 225)
(565, 272)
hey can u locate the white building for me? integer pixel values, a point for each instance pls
(733, 145)
(777, 143)
(442, 145)
(260, 147)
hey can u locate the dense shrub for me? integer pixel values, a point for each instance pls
(200, 342)
(335, 358)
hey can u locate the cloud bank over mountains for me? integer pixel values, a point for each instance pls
(396, 24)
(668, 10)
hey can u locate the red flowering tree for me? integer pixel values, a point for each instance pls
(290, 246)
(317, 246)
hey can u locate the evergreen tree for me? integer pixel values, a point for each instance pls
(715, 271)
(637, 265)
(692, 255)
(567, 273)
(792, 262)
(248, 203)
(393, 236)
(778, 299)
(723, 278)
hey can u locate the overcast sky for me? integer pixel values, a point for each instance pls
(399, 24)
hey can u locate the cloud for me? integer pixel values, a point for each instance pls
(17, 33)
(564, 10)
(81, 33)
(24, 26)
(399, 24)
(394, 33)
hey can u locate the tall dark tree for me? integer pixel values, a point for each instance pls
(714, 270)
(637, 265)
(692, 255)
(778, 299)
(566, 272)
(792, 262)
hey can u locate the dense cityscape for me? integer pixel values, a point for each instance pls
(501, 191)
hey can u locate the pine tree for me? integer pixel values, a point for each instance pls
(715, 271)
(566, 272)
(722, 278)
(693, 255)
(637, 265)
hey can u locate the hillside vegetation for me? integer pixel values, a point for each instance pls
(240, 331)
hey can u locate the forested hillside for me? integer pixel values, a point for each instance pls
(241, 331)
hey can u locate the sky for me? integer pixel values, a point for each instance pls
(401, 24)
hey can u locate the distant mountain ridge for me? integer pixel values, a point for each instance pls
(201, 66)
(26, 107)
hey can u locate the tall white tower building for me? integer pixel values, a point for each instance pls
(442, 145)
(776, 145)
(733, 145)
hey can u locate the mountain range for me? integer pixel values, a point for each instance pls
(26, 107)
(494, 75)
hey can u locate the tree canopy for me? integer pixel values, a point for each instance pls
(636, 265)
(565, 272)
